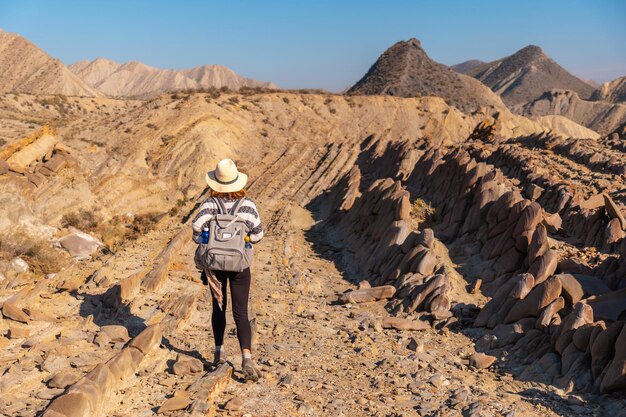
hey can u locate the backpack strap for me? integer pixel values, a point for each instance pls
(220, 205)
(236, 206)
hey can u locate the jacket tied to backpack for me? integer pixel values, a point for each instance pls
(226, 249)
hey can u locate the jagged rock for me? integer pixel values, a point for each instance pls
(148, 339)
(123, 364)
(545, 318)
(79, 244)
(63, 379)
(538, 243)
(398, 323)
(572, 291)
(18, 332)
(544, 266)
(415, 345)
(530, 217)
(613, 232)
(19, 265)
(367, 295)
(615, 377)
(234, 404)
(609, 306)
(427, 263)
(603, 347)
(533, 191)
(4, 167)
(613, 210)
(179, 401)
(481, 361)
(426, 238)
(70, 405)
(531, 306)
(13, 312)
(553, 222)
(187, 365)
(364, 284)
(115, 333)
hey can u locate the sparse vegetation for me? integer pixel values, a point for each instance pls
(82, 219)
(39, 253)
(422, 213)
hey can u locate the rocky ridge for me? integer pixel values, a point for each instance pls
(404, 70)
(364, 306)
(526, 75)
(135, 79)
(28, 69)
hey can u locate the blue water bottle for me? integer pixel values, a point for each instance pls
(205, 235)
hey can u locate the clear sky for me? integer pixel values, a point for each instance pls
(321, 44)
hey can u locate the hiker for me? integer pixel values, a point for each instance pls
(225, 227)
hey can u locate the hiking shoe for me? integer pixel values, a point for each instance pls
(250, 372)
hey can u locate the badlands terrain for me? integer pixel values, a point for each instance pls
(419, 260)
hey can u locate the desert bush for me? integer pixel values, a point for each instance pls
(286, 100)
(39, 253)
(422, 213)
(119, 230)
(233, 100)
(82, 219)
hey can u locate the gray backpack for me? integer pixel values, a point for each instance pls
(226, 249)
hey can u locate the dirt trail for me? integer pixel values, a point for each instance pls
(318, 357)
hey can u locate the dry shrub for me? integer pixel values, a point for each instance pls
(118, 230)
(82, 219)
(422, 213)
(39, 253)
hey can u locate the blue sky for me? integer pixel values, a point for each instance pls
(321, 44)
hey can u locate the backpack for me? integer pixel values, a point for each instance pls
(226, 250)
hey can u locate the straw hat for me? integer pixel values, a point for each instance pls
(225, 178)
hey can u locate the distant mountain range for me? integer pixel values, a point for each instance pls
(526, 75)
(135, 79)
(28, 69)
(534, 85)
(405, 70)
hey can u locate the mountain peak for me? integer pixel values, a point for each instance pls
(526, 75)
(405, 70)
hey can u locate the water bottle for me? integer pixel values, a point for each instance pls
(248, 245)
(205, 235)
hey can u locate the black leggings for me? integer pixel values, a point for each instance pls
(239, 292)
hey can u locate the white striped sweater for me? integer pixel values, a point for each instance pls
(247, 211)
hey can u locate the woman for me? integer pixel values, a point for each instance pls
(228, 185)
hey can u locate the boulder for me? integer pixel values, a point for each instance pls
(398, 323)
(613, 210)
(609, 306)
(368, 294)
(148, 339)
(13, 312)
(541, 296)
(79, 244)
(544, 266)
(481, 361)
(530, 217)
(63, 379)
(32, 152)
(115, 333)
(615, 377)
(19, 265)
(603, 347)
(187, 365)
(179, 401)
(572, 290)
(4, 167)
(545, 318)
